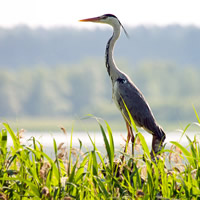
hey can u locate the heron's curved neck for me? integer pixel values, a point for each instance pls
(112, 69)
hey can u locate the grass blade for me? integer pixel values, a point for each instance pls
(100, 157)
(110, 157)
(196, 114)
(131, 118)
(185, 152)
(70, 154)
(13, 136)
(144, 145)
(3, 140)
(112, 147)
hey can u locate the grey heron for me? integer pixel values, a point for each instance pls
(124, 92)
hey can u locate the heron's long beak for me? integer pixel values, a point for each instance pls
(94, 19)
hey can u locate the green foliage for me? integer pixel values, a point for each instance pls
(26, 172)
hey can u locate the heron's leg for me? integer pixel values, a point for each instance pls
(127, 141)
(130, 136)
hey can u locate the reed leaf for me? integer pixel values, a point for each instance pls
(98, 153)
(197, 116)
(112, 146)
(13, 136)
(108, 148)
(3, 139)
(187, 154)
(144, 145)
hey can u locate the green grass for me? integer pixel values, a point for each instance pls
(26, 172)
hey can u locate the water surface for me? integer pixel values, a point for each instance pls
(46, 139)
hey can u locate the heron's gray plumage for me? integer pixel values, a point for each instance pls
(125, 92)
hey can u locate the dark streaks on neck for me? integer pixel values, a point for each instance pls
(107, 55)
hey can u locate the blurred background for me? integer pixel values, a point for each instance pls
(52, 69)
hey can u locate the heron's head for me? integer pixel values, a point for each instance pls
(106, 19)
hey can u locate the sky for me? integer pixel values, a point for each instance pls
(53, 13)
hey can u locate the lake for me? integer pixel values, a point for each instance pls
(46, 139)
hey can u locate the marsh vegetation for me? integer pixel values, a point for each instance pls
(26, 172)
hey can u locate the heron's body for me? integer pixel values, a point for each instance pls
(125, 93)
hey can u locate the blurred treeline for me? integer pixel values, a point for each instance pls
(84, 88)
(61, 72)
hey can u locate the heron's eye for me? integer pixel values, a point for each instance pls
(104, 17)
